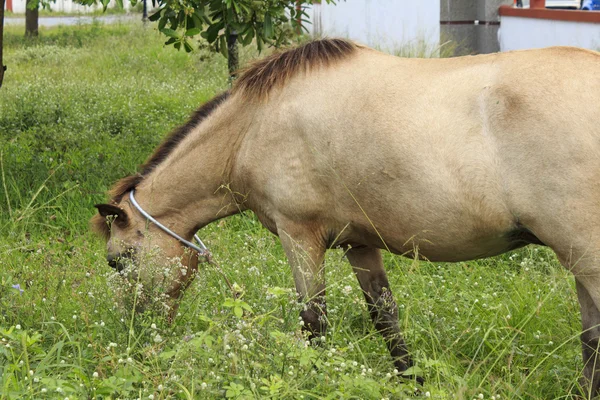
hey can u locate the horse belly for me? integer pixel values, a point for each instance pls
(448, 238)
(467, 246)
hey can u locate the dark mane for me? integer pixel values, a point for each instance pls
(166, 147)
(262, 76)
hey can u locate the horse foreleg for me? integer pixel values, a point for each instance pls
(305, 253)
(367, 264)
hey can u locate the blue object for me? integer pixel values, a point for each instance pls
(18, 287)
(591, 5)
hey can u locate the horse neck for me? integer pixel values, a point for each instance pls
(193, 186)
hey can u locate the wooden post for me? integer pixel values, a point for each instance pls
(145, 13)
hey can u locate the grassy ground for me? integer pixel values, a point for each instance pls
(82, 107)
(95, 13)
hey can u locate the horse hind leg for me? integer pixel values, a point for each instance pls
(585, 266)
(590, 338)
(367, 264)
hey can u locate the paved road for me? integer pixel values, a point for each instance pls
(55, 21)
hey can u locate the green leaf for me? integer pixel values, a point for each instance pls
(223, 45)
(187, 46)
(209, 340)
(277, 291)
(204, 318)
(180, 19)
(247, 38)
(192, 32)
(259, 43)
(230, 15)
(414, 370)
(189, 22)
(162, 23)
(238, 311)
(213, 31)
(174, 23)
(170, 33)
(268, 26)
(197, 21)
(155, 16)
(245, 8)
(229, 302)
(165, 355)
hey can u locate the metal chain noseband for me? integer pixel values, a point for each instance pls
(200, 249)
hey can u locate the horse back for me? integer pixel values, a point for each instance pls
(452, 155)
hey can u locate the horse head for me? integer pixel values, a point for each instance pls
(144, 251)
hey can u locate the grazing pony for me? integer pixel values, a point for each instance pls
(335, 144)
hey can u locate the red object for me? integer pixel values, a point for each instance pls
(9, 5)
(537, 4)
(556, 15)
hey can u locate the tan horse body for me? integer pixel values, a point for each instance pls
(450, 159)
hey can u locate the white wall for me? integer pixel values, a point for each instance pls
(18, 6)
(65, 6)
(386, 24)
(525, 33)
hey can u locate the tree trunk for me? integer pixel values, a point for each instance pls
(31, 18)
(233, 62)
(2, 67)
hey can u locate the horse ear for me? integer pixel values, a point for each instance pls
(108, 210)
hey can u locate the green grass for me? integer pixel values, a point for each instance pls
(98, 12)
(82, 107)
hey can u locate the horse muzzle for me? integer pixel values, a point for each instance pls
(120, 261)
